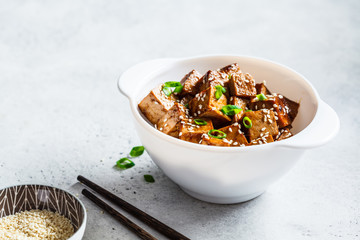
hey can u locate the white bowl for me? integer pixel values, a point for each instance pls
(229, 174)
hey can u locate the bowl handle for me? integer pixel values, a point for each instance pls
(322, 129)
(127, 82)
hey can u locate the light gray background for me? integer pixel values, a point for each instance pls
(61, 114)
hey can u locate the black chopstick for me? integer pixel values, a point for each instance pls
(121, 218)
(146, 218)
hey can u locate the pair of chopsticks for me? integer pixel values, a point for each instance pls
(146, 218)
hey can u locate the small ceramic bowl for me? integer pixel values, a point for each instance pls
(229, 174)
(28, 197)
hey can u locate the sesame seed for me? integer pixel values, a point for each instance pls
(161, 129)
(35, 224)
(270, 121)
(230, 130)
(180, 134)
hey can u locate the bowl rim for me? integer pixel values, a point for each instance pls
(83, 222)
(219, 149)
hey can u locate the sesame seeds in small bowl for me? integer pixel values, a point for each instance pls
(40, 212)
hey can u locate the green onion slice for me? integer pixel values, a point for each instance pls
(186, 105)
(137, 151)
(149, 178)
(214, 133)
(172, 87)
(219, 91)
(167, 91)
(229, 76)
(172, 84)
(125, 163)
(248, 110)
(230, 110)
(200, 122)
(261, 97)
(247, 122)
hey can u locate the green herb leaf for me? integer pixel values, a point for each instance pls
(186, 105)
(230, 110)
(214, 133)
(200, 122)
(149, 178)
(248, 111)
(219, 91)
(125, 163)
(247, 122)
(261, 97)
(229, 76)
(137, 151)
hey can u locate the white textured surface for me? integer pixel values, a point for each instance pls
(61, 113)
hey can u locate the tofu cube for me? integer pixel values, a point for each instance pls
(234, 135)
(205, 105)
(241, 103)
(169, 123)
(192, 132)
(275, 104)
(263, 123)
(261, 88)
(156, 104)
(191, 83)
(284, 133)
(206, 140)
(242, 85)
(265, 139)
(214, 78)
(231, 69)
(291, 107)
